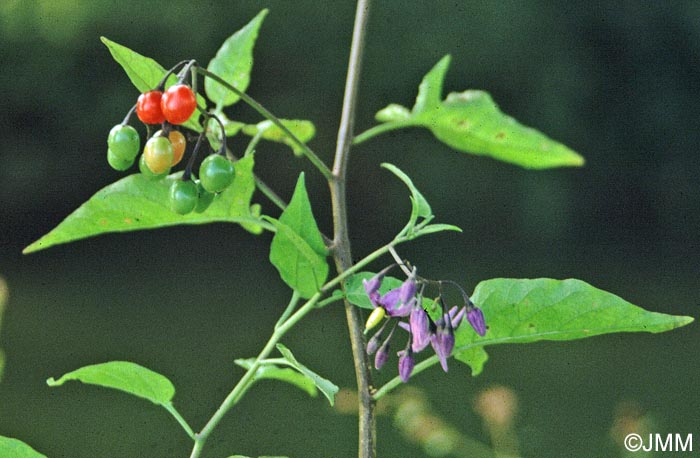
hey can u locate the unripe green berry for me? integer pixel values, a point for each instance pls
(117, 163)
(124, 142)
(183, 196)
(216, 173)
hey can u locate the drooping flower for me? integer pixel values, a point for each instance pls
(406, 364)
(476, 318)
(443, 340)
(420, 328)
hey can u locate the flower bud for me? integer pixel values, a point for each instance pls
(420, 329)
(406, 364)
(476, 318)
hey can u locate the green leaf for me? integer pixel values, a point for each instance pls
(433, 228)
(13, 448)
(297, 249)
(393, 112)
(419, 206)
(355, 291)
(135, 203)
(328, 388)
(233, 62)
(430, 89)
(124, 376)
(284, 374)
(302, 129)
(242, 191)
(145, 73)
(471, 122)
(530, 310)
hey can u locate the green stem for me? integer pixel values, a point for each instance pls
(171, 408)
(288, 311)
(315, 160)
(250, 149)
(380, 129)
(396, 381)
(280, 330)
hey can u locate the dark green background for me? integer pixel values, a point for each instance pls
(616, 81)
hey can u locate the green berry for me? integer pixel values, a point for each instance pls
(205, 198)
(117, 163)
(183, 196)
(216, 173)
(124, 142)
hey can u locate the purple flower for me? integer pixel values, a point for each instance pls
(382, 355)
(420, 328)
(407, 293)
(443, 339)
(443, 342)
(406, 364)
(476, 318)
(391, 301)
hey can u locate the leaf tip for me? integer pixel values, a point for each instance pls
(51, 382)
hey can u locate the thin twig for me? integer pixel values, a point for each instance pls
(341, 242)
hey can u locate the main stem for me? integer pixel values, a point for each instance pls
(341, 241)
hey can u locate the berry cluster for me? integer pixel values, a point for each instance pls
(166, 147)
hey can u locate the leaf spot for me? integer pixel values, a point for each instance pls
(128, 220)
(501, 135)
(102, 222)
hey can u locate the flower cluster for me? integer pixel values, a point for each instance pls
(406, 301)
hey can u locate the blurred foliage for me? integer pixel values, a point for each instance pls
(616, 81)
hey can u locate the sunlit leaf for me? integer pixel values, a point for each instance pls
(430, 89)
(124, 376)
(13, 448)
(297, 249)
(135, 203)
(145, 73)
(530, 310)
(328, 388)
(233, 62)
(242, 191)
(302, 130)
(284, 374)
(471, 122)
(393, 112)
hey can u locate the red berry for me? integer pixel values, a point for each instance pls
(148, 107)
(178, 103)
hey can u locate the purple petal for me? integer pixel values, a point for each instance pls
(390, 299)
(372, 285)
(406, 365)
(382, 356)
(420, 329)
(476, 318)
(408, 289)
(443, 342)
(457, 319)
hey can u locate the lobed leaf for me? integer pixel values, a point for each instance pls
(297, 249)
(283, 374)
(145, 73)
(233, 62)
(13, 448)
(136, 203)
(328, 388)
(530, 310)
(471, 122)
(124, 376)
(302, 129)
